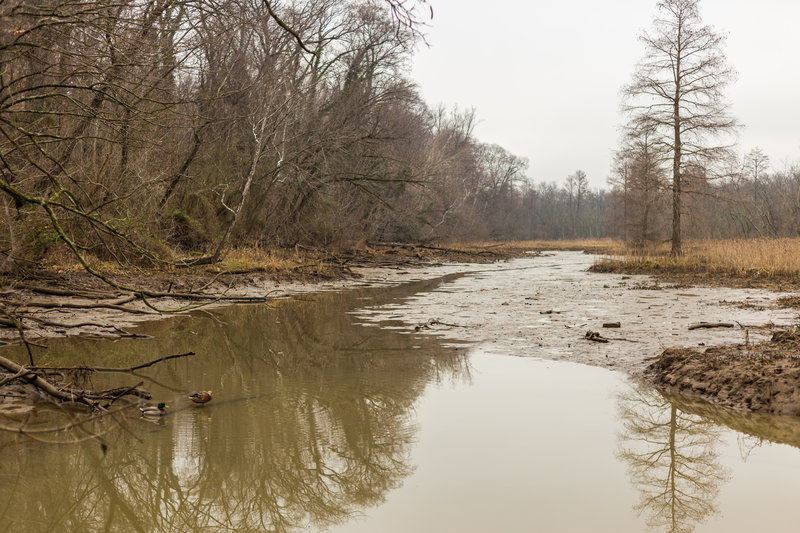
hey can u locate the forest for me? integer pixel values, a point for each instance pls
(159, 131)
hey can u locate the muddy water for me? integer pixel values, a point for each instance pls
(323, 423)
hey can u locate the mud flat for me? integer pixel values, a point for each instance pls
(544, 306)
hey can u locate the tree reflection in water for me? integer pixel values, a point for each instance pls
(672, 459)
(313, 423)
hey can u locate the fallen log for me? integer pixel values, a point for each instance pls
(66, 292)
(72, 305)
(44, 385)
(703, 325)
(197, 296)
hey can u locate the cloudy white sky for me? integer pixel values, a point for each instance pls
(544, 76)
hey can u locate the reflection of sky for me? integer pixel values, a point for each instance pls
(187, 455)
(518, 450)
(523, 448)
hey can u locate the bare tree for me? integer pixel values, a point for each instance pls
(639, 173)
(677, 91)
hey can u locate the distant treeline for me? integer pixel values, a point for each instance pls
(132, 129)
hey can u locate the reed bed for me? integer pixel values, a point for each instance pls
(751, 258)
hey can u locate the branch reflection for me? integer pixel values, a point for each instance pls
(314, 423)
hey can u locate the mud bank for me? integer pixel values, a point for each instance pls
(79, 306)
(762, 378)
(543, 306)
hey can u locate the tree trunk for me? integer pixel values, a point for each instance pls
(676, 169)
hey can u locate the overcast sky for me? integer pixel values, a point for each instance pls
(544, 76)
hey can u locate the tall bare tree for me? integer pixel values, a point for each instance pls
(677, 91)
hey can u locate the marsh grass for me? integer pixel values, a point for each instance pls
(769, 259)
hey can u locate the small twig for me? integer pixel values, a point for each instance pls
(21, 373)
(18, 325)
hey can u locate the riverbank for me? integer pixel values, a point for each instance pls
(759, 376)
(540, 309)
(60, 298)
(762, 377)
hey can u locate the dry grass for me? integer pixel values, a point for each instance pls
(599, 246)
(269, 259)
(753, 259)
(246, 259)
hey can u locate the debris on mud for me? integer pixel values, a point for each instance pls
(762, 378)
(594, 336)
(435, 322)
(709, 325)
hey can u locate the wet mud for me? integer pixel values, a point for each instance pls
(544, 306)
(762, 378)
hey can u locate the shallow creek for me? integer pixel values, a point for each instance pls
(332, 414)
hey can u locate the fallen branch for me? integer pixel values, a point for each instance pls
(8, 322)
(72, 305)
(112, 369)
(197, 296)
(702, 325)
(45, 385)
(115, 393)
(55, 324)
(434, 322)
(19, 374)
(65, 292)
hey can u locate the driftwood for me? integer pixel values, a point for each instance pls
(68, 292)
(702, 325)
(72, 305)
(44, 385)
(612, 325)
(434, 322)
(594, 336)
(89, 398)
(407, 246)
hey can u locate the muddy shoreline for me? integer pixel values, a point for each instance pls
(65, 300)
(761, 376)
